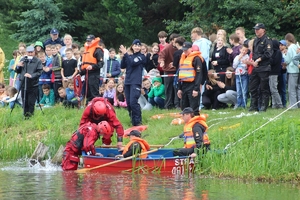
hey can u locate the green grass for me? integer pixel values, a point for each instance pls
(269, 153)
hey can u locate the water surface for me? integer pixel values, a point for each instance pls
(19, 181)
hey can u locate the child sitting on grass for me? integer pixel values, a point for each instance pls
(68, 96)
(48, 99)
(119, 100)
(71, 98)
(12, 98)
(110, 91)
(101, 90)
(156, 96)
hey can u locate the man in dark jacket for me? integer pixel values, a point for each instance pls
(259, 79)
(30, 69)
(275, 62)
(54, 38)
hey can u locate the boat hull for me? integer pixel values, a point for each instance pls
(161, 161)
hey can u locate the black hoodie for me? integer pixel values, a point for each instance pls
(276, 59)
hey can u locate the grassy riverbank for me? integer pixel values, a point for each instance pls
(271, 152)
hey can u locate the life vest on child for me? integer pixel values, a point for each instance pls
(187, 72)
(88, 55)
(145, 146)
(189, 140)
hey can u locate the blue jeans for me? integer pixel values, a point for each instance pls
(157, 101)
(11, 104)
(242, 89)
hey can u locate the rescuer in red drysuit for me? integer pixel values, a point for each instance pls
(84, 139)
(99, 109)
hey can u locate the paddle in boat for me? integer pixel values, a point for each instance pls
(158, 161)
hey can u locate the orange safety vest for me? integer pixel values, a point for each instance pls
(189, 141)
(144, 144)
(88, 55)
(187, 72)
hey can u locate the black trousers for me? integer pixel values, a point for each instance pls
(259, 80)
(183, 152)
(169, 91)
(93, 85)
(132, 94)
(187, 99)
(29, 98)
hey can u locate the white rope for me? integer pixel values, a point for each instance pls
(236, 116)
(172, 140)
(270, 120)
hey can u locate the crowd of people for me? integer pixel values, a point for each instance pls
(210, 72)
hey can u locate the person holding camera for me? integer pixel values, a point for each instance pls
(30, 69)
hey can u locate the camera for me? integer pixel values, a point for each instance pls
(25, 59)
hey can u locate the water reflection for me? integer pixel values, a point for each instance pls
(127, 186)
(23, 182)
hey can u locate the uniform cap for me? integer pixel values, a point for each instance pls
(259, 26)
(136, 42)
(54, 31)
(186, 46)
(187, 110)
(90, 38)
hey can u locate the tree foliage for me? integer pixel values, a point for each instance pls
(279, 17)
(36, 23)
(119, 22)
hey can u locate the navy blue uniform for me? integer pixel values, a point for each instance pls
(134, 65)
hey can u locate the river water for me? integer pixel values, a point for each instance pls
(20, 181)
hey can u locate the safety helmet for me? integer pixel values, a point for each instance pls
(99, 108)
(104, 128)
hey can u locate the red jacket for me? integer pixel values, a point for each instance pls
(83, 139)
(110, 116)
(166, 55)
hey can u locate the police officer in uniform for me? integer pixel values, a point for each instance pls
(259, 79)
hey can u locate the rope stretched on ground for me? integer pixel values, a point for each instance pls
(272, 119)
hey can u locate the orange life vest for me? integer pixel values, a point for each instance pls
(187, 72)
(145, 146)
(189, 140)
(88, 55)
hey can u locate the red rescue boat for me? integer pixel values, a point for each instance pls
(161, 161)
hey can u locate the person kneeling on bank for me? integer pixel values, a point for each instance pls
(136, 145)
(194, 134)
(84, 139)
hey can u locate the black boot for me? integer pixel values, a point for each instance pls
(264, 104)
(253, 105)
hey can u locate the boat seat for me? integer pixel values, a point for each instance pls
(155, 156)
